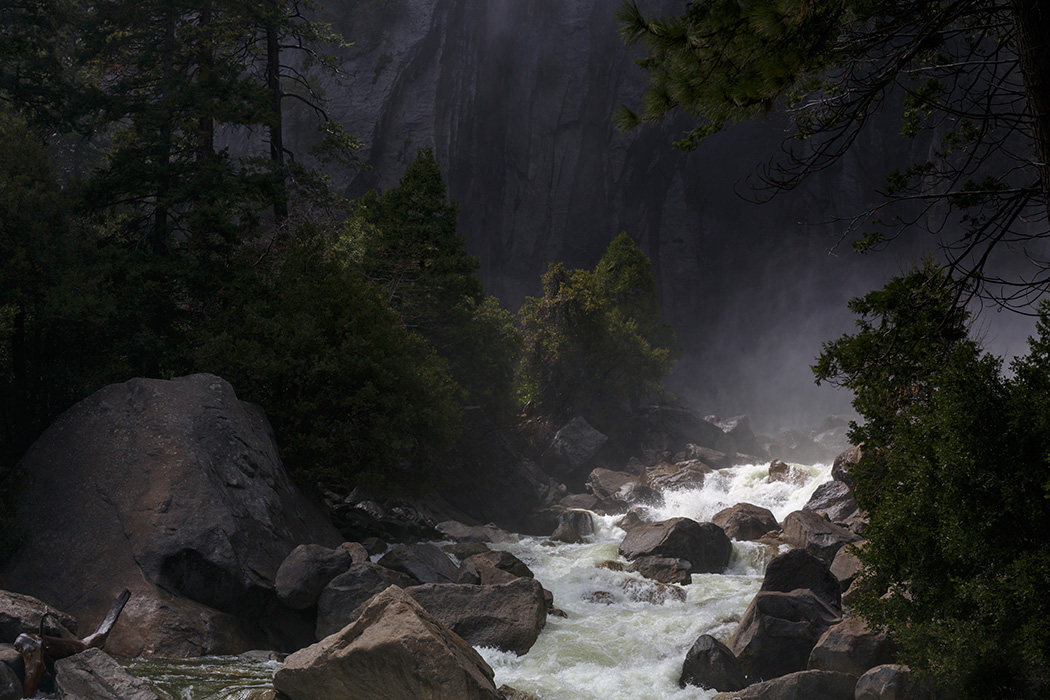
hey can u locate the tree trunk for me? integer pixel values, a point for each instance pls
(1032, 20)
(159, 234)
(273, 84)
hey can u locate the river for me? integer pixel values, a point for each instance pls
(623, 637)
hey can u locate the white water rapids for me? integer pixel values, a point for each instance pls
(624, 647)
(631, 650)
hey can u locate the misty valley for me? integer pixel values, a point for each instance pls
(525, 350)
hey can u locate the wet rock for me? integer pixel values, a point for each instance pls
(677, 477)
(840, 469)
(834, 500)
(816, 534)
(187, 504)
(832, 441)
(515, 694)
(798, 569)
(891, 682)
(481, 574)
(581, 501)
(10, 683)
(672, 428)
(600, 598)
(606, 483)
(395, 650)
(804, 685)
(778, 631)
(424, 562)
(782, 471)
(566, 534)
(663, 569)
(580, 520)
(710, 664)
(572, 449)
(703, 545)
(846, 565)
(508, 616)
(630, 520)
(852, 648)
(459, 532)
(504, 561)
(652, 592)
(262, 656)
(13, 660)
(745, 521)
(307, 570)
(465, 550)
(22, 613)
(94, 675)
(347, 592)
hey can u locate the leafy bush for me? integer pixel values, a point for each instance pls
(594, 342)
(353, 396)
(955, 480)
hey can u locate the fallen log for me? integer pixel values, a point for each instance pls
(38, 649)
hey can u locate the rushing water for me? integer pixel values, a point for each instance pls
(623, 637)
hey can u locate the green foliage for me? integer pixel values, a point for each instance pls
(594, 342)
(405, 240)
(352, 395)
(955, 481)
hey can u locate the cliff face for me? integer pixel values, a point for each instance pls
(516, 97)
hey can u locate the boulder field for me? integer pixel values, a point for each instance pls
(174, 489)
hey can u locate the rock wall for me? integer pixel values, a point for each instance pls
(516, 98)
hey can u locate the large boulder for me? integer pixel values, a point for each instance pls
(840, 468)
(681, 476)
(424, 562)
(816, 534)
(346, 593)
(574, 446)
(703, 545)
(460, 532)
(798, 447)
(307, 570)
(798, 569)
(22, 613)
(852, 647)
(673, 428)
(778, 631)
(10, 683)
(890, 682)
(663, 569)
(846, 565)
(94, 675)
(711, 664)
(745, 521)
(834, 500)
(395, 650)
(507, 616)
(803, 685)
(172, 489)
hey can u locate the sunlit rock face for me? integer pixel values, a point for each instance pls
(516, 97)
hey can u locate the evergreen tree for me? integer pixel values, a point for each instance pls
(972, 75)
(954, 481)
(406, 241)
(594, 342)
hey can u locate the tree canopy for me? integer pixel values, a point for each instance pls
(972, 77)
(594, 342)
(954, 480)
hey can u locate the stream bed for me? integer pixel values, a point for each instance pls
(624, 637)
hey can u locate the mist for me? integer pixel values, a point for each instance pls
(516, 98)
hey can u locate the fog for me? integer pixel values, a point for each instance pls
(516, 98)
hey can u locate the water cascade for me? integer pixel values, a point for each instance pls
(623, 637)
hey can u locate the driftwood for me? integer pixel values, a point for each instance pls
(38, 649)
